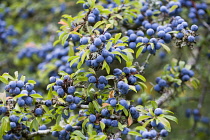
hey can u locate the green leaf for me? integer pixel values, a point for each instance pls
(72, 57)
(74, 61)
(117, 37)
(154, 104)
(31, 82)
(49, 94)
(119, 107)
(18, 96)
(134, 133)
(84, 123)
(118, 58)
(99, 23)
(168, 111)
(165, 123)
(36, 96)
(96, 106)
(124, 39)
(172, 118)
(108, 45)
(5, 126)
(91, 2)
(108, 77)
(106, 66)
(107, 27)
(58, 119)
(152, 45)
(173, 8)
(7, 76)
(141, 118)
(173, 32)
(166, 48)
(56, 128)
(23, 78)
(4, 80)
(34, 125)
(128, 50)
(141, 77)
(61, 73)
(78, 133)
(56, 42)
(143, 85)
(140, 128)
(71, 50)
(102, 125)
(147, 122)
(132, 88)
(92, 70)
(3, 97)
(125, 112)
(139, 51)
(16, 74)
(120, 126)
(84, 56)
(80, 1)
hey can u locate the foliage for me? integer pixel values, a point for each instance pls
(97, 67)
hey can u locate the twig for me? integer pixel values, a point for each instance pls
(206, 25)
(46, 132)
(164, 97)
(141, 68)
(42, 102)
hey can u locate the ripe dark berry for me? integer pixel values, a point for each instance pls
(114, 123)
(72, 106)
(125, 131)
(97, 42)
(12, 84)
(20, 84)
(92, 118)
(48, 103)
(38, 111)
(117, 72)
(113, 102)
(43, 127)
(59, 82)
(29, 87)
(84, 40)
(60, 92)
(92, 79)
(158, 111)
(68, 127)
(163, 133)
(71, 89)
(52, 79)
(191, 38)
(194, 27)
(150, 32)
(13, 125)
(21, 102)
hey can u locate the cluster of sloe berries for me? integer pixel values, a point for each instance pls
(7, 32)
(152, 133)
(63, 87)
(64, 134)
(19, 87)
(196, 10)
(100, 82)
(17, 127)
(94, 16)
(186, 74)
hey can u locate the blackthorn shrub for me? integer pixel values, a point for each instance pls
(88, 93)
